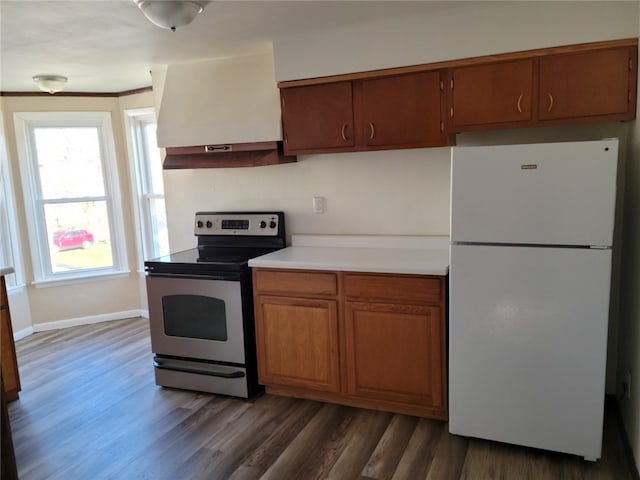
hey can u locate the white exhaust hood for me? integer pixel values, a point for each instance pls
(218, 103)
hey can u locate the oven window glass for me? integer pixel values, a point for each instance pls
(195, 316)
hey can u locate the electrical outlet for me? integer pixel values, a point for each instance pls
(319, 204)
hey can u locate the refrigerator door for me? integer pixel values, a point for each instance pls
(527, 345)
(553, 193)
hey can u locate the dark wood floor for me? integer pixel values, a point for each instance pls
(90, 410)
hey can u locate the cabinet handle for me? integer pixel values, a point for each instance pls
(550, 102)
(373, 130)
(344, 132)
(520, 104)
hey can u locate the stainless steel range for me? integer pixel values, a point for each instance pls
(201, 304)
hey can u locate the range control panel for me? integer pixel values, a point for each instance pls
(256, 224)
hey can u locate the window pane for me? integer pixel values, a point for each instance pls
(159, 224)
(79, 236)
(69, 162)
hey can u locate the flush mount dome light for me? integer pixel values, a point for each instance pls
(50, 83)
(170, 14)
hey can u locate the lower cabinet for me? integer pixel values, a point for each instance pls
(10, 375)
(393, 353)
(367, 340)
(298, 342)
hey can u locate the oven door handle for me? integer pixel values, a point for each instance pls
(230, 276)
(213, 373)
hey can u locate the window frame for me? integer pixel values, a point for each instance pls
(141, 181)
(25, 123)
(10, 253)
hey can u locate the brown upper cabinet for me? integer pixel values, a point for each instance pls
(424, 105)
(599, 85)
(318, 117)
(573, 87)
(497, 94)
(400, 111)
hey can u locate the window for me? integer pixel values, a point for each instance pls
(68, 170)
(146, 167)
(8, 239)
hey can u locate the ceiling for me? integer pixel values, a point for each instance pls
(109, 46)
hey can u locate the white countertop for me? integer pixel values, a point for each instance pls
(6, 270)
(362, 253)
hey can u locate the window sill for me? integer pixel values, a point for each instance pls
(92, 277)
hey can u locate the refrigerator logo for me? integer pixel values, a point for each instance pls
(529, 166)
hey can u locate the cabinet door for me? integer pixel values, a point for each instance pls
(10, 376)
(317, 117)
(395, 352)
(592, 84)
(491, 95)
(297, 342)
(402, 111)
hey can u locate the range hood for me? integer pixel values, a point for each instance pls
(219, 113)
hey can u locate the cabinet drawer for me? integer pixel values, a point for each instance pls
(392, 288)
(314, 283)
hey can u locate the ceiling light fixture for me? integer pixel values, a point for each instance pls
(50, 83)
(170, 14)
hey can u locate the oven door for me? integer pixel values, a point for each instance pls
(198, 318)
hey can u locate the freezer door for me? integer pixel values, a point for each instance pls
(527, 345)
(553, 193)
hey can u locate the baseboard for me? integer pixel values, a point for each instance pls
(25, 332)
(74, 322)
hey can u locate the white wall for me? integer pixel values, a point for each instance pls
(237, 101)
(94, 300)
(451, 30)
(17, 296)
(629, 338)
(398, 192)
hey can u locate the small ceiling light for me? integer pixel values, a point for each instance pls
(170, 14)
(50, 83)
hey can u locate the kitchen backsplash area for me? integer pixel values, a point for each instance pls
(393, 192)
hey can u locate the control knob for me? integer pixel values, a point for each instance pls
(272, 224)
(263, 224)
(199, 224)
(209, 224)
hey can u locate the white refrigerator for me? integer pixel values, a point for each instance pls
(530, 270)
